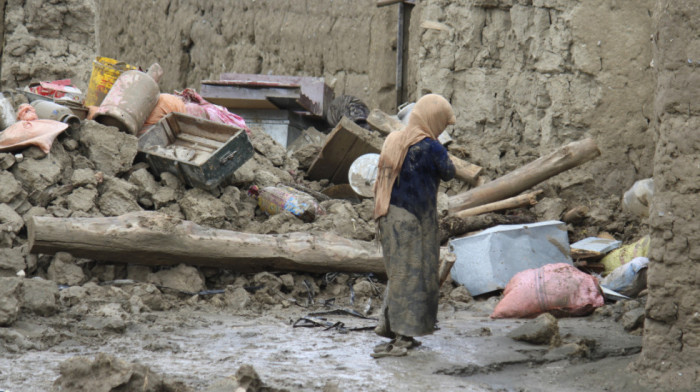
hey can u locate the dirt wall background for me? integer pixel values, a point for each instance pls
(47, 40)
(526, 77)
(348, 42)
(672, 328)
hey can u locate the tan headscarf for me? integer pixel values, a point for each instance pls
(429, 117)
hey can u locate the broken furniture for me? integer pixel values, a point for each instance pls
(488, 260)
(281, 105)
(347, 142)
(200, 152)
(151, 238)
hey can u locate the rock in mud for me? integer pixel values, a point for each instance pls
(181, 278)
(118, 197)
(203, 208)
(11, 261)
(9, 187)
(542, 330)
(111, 151)
(107, 373)
(246, 380)
(63, 270)
(10, 224)
(10, 295)
(6, 160)
(39, 296)
(460, 294)
(38, 173)
(633, 319)
(237, 297)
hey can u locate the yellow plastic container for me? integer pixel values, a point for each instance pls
(625, 254)
(105, 72)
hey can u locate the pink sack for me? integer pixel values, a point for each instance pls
(560, 289)
(22, 134)
(214, 112)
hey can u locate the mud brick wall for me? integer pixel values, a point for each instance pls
(47, 40)
(526, 77)
(348, 42)
(671, 354)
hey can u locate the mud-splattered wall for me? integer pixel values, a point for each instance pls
(47, 40)
(348, 42)
(671, 354)
(526, 77)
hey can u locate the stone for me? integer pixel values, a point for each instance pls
(182, 278)
(163, 196)
(6, 160)
(138, 273)
(118, 197)
(542, 330)
(236, 297)
(9, 187)
(203, 208)
(83, 177)
(11, 261)
(145, 182)
(112, 151)
(63, 270)
(633, 319)
(72, 296)
(38, 173)
(39, 296)
(10, 296)
(81, 199)
(460, 294)
(170, 180)
(10, 224)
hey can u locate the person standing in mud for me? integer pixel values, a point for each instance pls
(411, 165)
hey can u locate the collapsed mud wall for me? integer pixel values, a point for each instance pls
(671, 353)
(348, 42)
(47, 40)
(528, 76)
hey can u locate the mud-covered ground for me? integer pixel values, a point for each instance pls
(199, 344)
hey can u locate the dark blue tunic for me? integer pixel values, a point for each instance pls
(415, 189)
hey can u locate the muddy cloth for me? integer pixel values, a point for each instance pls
(410, 242)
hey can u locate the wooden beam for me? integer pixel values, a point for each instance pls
(151, 238)
(521, 179)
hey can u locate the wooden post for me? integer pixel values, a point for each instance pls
(528, 199)
(151, 238)
(521, 179)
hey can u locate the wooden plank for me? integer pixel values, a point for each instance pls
(344, 144)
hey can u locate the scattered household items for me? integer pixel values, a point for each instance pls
(637, 199)
(625, 254)
(628, 279)
(525, 177)
(167, 103)
(26, 112)
(105, 71)
(319, 319)
(386, 124)
(284, 126)
(363, 174)
(488, 260)
(197, 106)
(350, 107)
(280, 105)
(200, 152)
(559, 289)
(596, 244)
(151, 238)
(52, 111)
(273, 200)
(347, 142)
(56, 89)
(22, 134)
(130, 100)
(404, 114)
(257, 91)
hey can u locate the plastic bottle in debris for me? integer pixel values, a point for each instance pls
(275, 199)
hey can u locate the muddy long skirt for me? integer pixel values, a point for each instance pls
(411, 256)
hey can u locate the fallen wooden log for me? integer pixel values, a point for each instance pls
(151, 238)
(386, 124)
(527, 199)
(452, 226)
(519, 180)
